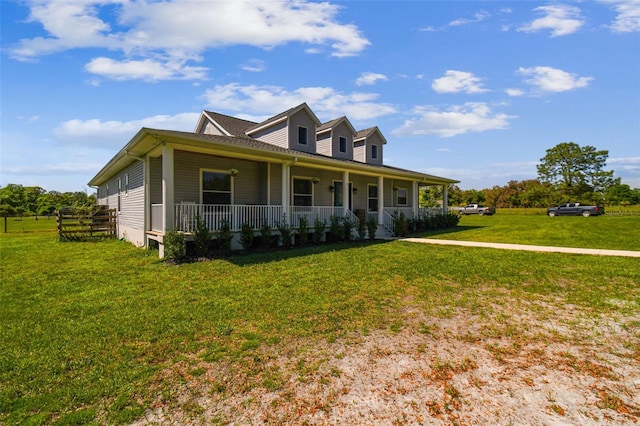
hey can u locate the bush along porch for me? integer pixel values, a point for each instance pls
(203, 244)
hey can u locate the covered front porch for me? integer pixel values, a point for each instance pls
(214, 216)
(244, 190)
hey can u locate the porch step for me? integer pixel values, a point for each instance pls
(383, 233)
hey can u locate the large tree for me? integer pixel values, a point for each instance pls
(574, 169)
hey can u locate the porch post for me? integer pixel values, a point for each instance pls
(415, 190)
(445, 199)
(380, 200)
(345, 192)
(168, 209)
(285, 190)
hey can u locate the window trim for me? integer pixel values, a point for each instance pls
(369, 198)
(406, 197)
(306, 136)
(222, 172)
(293, 193)
(340, 140)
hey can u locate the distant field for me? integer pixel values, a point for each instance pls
(28, 224)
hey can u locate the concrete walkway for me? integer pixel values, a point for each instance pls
(600, 252)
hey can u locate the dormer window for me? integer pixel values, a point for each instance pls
(343, 144)
(302, 135)
(374, 151)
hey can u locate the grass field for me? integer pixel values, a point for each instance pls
(88, 329)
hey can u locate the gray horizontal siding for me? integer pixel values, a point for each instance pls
(275, 135)
(132, 200)
(249, 186)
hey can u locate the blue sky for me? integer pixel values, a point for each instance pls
(471, 90)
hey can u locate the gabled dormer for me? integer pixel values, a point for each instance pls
(292, 129)
(368, 146)
(213, 123)
(335, 138)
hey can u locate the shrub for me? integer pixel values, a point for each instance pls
(336, 229)
(265, 235)
(285, 232)
(201, 238)
(347, 227)
(372, 227)
(175, 247)
(400, 226)
(318, 230)
(224, 237)
(362, 228)
(303, 230)
(246, 236)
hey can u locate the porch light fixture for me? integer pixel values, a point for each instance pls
(355, 190)
(332, 188)
(233, 172)
(315, 180)
(395, 188)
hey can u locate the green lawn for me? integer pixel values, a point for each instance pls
(86, 328)
(604, 232)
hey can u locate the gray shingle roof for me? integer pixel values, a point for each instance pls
(233, 125)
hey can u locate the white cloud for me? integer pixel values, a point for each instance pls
(147, 69)
(458, 81)
(478, 17)
(253, 65)
(259, 102)
(628, 19)
(547, 79)
(514, 92)
(118, 132)
(458, 119)
(173, 32)
(560, 19)
(370, 78)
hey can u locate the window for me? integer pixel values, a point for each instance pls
(302, 192)
(119, 192)
(372, 198)
(343, 144)
(401, 197)
(216, 187)
(302, 135)
(374, 151)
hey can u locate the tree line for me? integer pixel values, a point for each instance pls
(568, 172)
(18, 200)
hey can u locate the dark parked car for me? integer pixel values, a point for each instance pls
(575, 209)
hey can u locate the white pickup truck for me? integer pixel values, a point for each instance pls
(478, 209)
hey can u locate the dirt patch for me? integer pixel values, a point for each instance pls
(535, 364)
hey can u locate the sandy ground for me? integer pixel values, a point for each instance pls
(526, 364)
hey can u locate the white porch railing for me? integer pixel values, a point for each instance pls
(408, 211)
(388, 222)
(215, 215)
(430, 211)
(255, 215)
(322, 213)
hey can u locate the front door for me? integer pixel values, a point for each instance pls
(337, 195)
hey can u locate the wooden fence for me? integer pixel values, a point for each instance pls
(86, 224)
